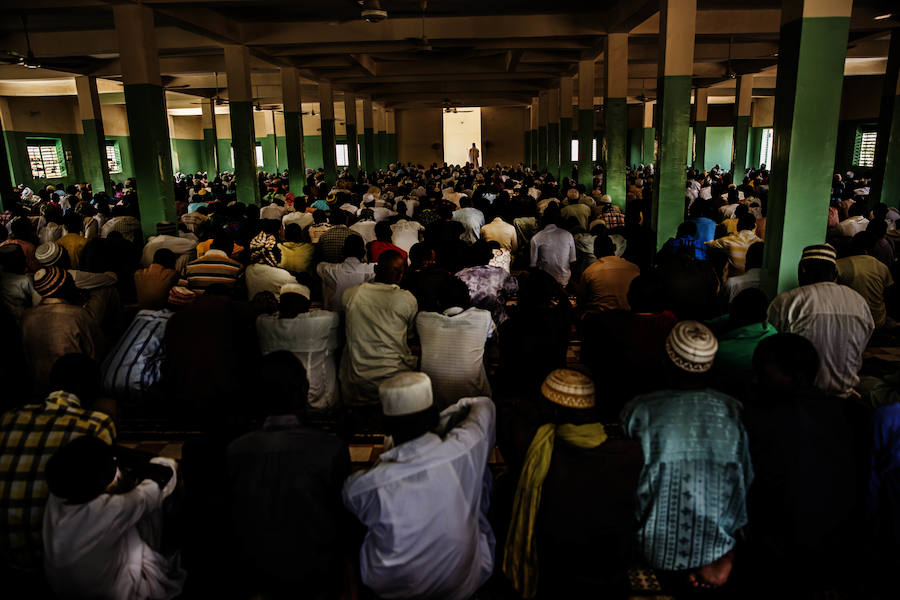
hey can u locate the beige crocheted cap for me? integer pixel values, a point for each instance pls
(692, 346)
(569, 388)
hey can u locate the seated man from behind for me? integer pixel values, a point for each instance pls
(490, 287)
(738, 333)
(339, 277)
(576, 487)
(691, 498)
(424, 504)
(103, 527)
(29, 436)
(866, 275)
(378, 317)
(804, 507)
(605, 282)
(833, 317)
(215, 267)
(453, 340)
(153, 283)
(312, 336)
(735, 245)
(284, 489)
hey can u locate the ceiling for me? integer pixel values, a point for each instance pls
(467, 52)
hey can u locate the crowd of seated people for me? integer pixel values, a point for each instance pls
(732, 442)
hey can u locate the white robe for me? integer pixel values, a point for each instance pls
(103, 548)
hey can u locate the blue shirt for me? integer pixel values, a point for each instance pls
(676, 246)
(691, 496)
(706, 229)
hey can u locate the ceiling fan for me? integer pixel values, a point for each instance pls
(26, 60)
(451, 108)
(421, 43)
(30, 61)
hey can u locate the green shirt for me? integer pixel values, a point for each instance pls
(736, 347)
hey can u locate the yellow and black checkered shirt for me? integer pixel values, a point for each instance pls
(29, 436)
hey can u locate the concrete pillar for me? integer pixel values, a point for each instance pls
(329, 151)
(243, 134)
(676, 37)
(93, 151)
(535, 124)
(350, 124)
(566, 92)
(380, 137)
(648, 134)
(210, 138)
(811, 54)
(145, 105)
(543, 118)
(293, 129)
(7, 198)
(742, 102)
(616, 125)
(886, 184)
(701, 108)
(553, 132)
(585, 123)
(368, 135)
(390, 119)
(270, 141)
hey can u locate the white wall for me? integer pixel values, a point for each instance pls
(460, 130)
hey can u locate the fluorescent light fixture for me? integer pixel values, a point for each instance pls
(884, 16)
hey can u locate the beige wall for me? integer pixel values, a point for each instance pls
(54, 114)
(115, 119)
(503, 135)
(223, 126)
(187, 128)
(417, 131)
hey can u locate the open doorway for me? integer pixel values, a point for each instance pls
(462, 128)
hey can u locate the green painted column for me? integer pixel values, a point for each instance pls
(293, 129)
(145, 107)
(754, 146)
(7, 198)
(701, 109)
(566, 93)
(243, 135)
(270, 159)
(812, 50)
(94, 163)
(350, 124)
(677, 23)
(527, 158)
(586, 123)
(368, 136)
(210, 141)
(648, 147)
(886, 184)
(329, 140)
(615, 126)
(742, 104)
(553, 132)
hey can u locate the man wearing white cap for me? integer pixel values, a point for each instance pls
(691, 496)
(835, 318)
(425, 503)
(312, 336)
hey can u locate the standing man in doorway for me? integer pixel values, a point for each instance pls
(474, 153)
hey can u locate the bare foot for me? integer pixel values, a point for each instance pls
(714, 574)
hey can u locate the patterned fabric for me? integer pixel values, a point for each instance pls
(193, 219)
(490, 288)
(28, 438)
(213, 268)
(128, 226)
(261, 249)
(691, 497)
(133, 366)
(613, 219)
(332, 243)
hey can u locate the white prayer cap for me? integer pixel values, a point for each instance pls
(295, 288)
(368, 197)
(405, 394)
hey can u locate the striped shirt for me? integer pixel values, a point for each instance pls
(133, 366)
(28, 438)
(211, 269)
(736, 246)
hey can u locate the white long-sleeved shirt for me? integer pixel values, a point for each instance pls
(313, 338)
(472, 221)
(95, 549)
(338, 277)
(838, 322)
(553, 250)
(425, 507)
(266, 278)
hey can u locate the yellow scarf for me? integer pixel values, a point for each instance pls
(520, 558)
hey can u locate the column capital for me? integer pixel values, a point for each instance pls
(677, 26)
(290, 89)
(138, 52)
(616, 65)
(237, 66)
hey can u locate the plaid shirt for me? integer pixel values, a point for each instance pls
(613, 219)
(29, 436)
(332, 243)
